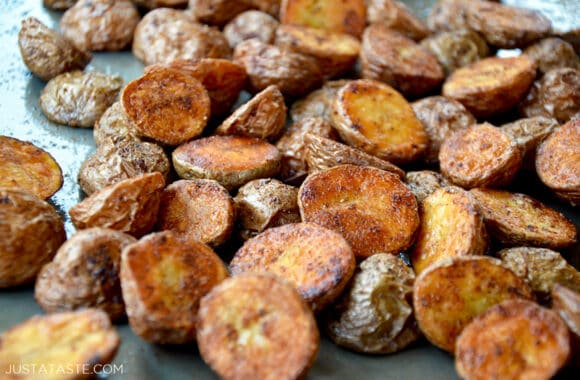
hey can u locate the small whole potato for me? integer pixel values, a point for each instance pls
(251, 24)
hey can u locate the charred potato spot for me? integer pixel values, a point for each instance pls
(251, 24)
(395, 15)
(424, 183)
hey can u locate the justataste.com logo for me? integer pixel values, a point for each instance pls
(20, 369)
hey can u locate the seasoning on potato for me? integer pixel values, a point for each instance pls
(529, 133)
(251, 24)
(553, 53)
(318, 103)
(425, 182)
(395, 15)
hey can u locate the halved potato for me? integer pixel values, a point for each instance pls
(395, 15)
(424, 183)
(318, 103)
(529, 133)
(566, 303)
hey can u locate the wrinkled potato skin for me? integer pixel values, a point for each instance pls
(251, 24)
(318, 103)
(396, 16)
(424, 183)
(374, 314)
(85, 273)
(32, 232)
(218, 12)
(59, 5)
(553, 53)
(447, 15)
(529, 134)
(79, 99)
(113, 126)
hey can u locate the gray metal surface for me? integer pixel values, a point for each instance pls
(20, 117)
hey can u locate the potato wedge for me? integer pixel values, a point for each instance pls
(451, 226)
(480, 155)
(251, 24)
(80, 341)
(374, 315)
(163, 278)
(113, 126)
(25, 166)
(449, 295)
(518, 219)
(516, 339)
(371, 208)
(316, 260)
(424, 183)
(230, 160)
(566, 303)
(374, 117)
(492, 85)
(199, 209)
(129, 206)
(318, 103)
(553, 53)
(248, 320)
(395, 15)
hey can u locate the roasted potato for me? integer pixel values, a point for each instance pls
(163, 278)
(85, 273)
(441, 117)
(295, 74)
(25, 166)
(371, 208)
(374, 117)
(32, 231)
(218, 12)
(152, 4)
(63, 346)
(448, 15)
(374, 315)
(47, 53)
(59, 5)
(129, 206)
(480, 156)
(390, 57)
(516, 339)
(318, 103)
(230, 160)
(492, 85)
(451, 226)
(424, 183)
(199, 209)
(449, 295)
(246, 322)
(395, 15)
(264, 203)
(79, 99)
(566, 303)
(553, 53)
(518, 219)
(251, 24)
(529, 133)
(113, 126)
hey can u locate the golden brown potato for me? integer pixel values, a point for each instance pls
(451, 226)
(47, 53)
(395, 15)
(374, 315)
(529, 133)
(566, 303)
(262, 117)
(251, 24)
(218, 12)
(199, 209)
(163, 278)
(79, 99)
(230, 160)
(335, 52)
(85, 273)
(390, 57)
(448, 15)
(55, 344)
(372, 116)
(480, 156)
(516, 339)
(295, 74)
(449, 295)
(167, 105)
(558, 161)
(371, 208)
(265, 203)
(297, 252)
(441, 117)
(492, 85)
(346, 16)
(25, 166)
(152, 4)
(318, 103)
(553, 53)
(518, 219)
(59, 5)
(246, 322)
(424, 183)
(32, 231)
(271, 7)
(129, 206)
(113, 126)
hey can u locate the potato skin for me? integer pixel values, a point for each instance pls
(318, 103)
(152, 4)
(59, 5)
(447, 15)
(553, 53)
(218, 12)
(395, 15)
(23, 216)
(113, 126)
(424, 183)
(374, 315)
(566, 303)
(251, 24)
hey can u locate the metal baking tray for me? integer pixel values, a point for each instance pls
(20, 117)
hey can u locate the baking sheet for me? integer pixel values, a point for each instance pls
(20, 117)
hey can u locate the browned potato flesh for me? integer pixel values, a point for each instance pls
(518, 219)
(230, 160)
(553, 53)
(167, 106)
(25, 166)
(516, 339)
(85, 273)
(59, 5)
(251, 24)
(199, 209)
(113, 126)
(566, 303)
(317, 261)
(371, 208)
(245, 324)
(32, 231)
(62, 346)
(451, 225)
(395, 15)
(129, 206)
(318, 103)
(492, 85)
(374, 117)
(480, 155)
(529, 133)
(424, 183)
(375, 315)
(163, 278)
(449, 295)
